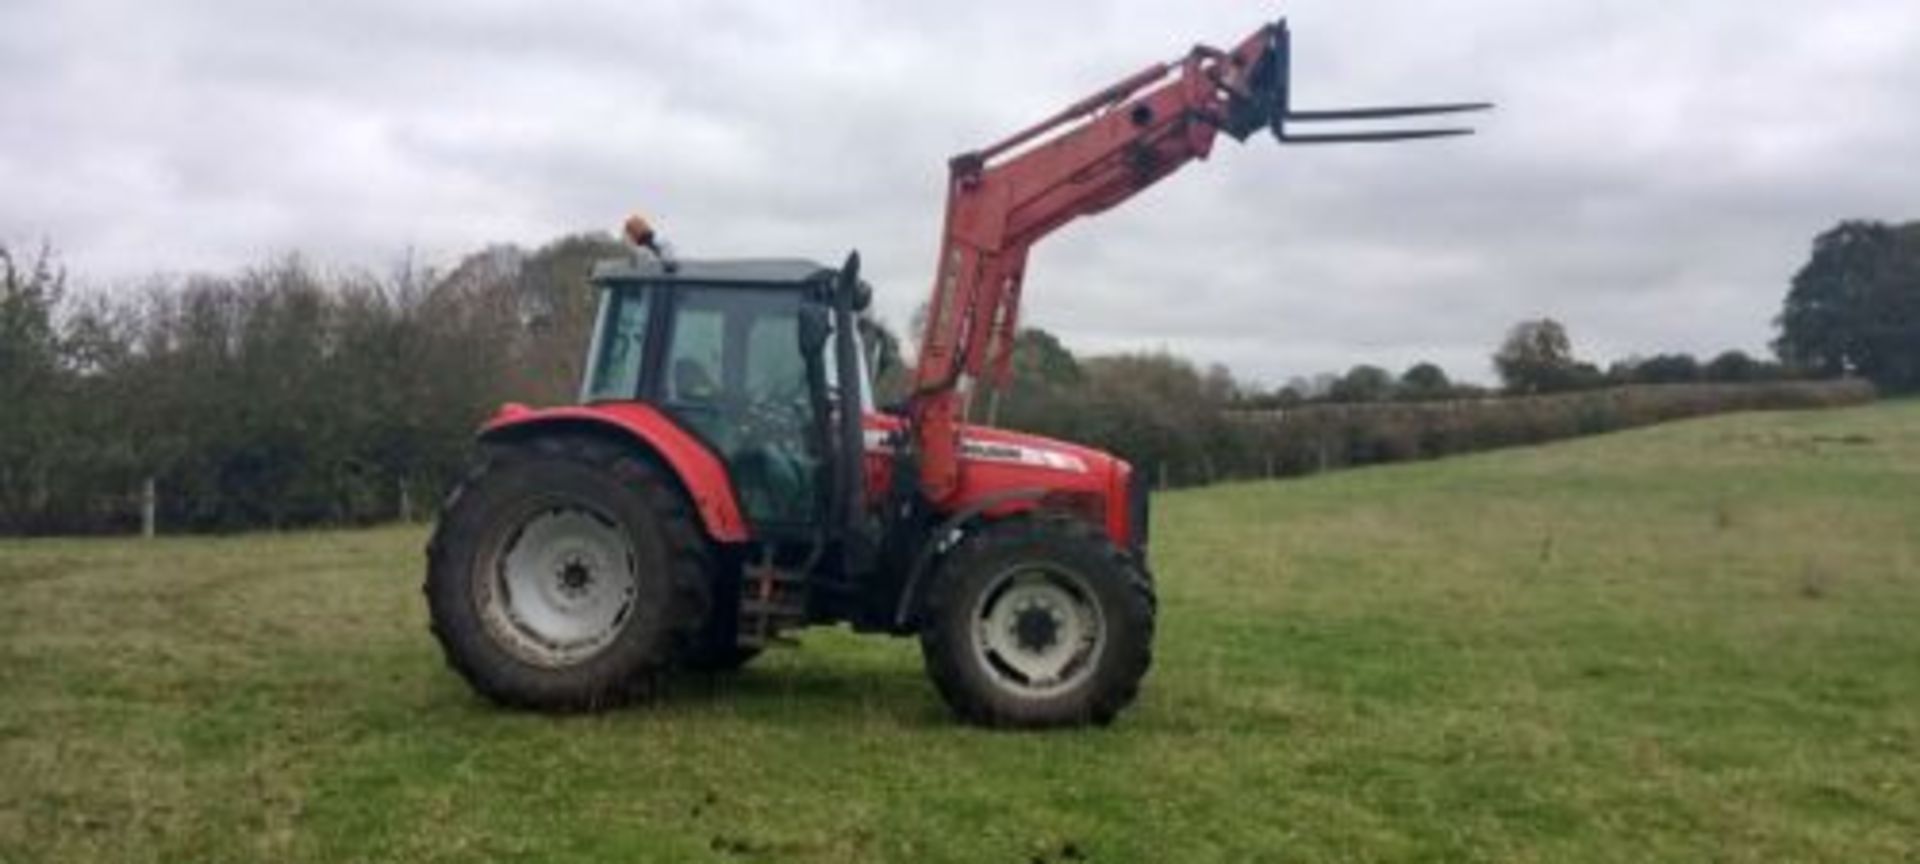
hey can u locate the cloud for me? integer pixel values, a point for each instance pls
(1651, 179)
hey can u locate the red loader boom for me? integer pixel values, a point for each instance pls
(1093, 155)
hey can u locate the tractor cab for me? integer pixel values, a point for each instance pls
(739, 354)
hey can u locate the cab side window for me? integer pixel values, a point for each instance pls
(621, 341)
(774, 366)
(694, 364)
(733, 375)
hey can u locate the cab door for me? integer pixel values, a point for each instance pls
(733, 374)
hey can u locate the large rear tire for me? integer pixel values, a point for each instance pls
(565, 574)
(1038, 622)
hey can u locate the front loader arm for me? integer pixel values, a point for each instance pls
(1091, 156)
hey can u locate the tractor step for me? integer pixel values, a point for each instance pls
(772, 600)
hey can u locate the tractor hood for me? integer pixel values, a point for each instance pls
(1000, 463)
(988, 445)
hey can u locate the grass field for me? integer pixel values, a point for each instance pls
(1695, 642)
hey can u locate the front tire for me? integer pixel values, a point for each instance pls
(565, 575)
(1038, 622)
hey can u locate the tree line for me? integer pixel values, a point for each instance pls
(279, 396)
(1188, 426)
(288, 394)
(1536, 357)
(1851, 316)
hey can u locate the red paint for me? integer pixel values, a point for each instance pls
(1102, 480)
(1003, 199)
(697, 467)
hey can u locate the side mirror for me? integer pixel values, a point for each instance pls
(849, 284)
(815, 327)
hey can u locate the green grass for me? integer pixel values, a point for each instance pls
(1694, 642)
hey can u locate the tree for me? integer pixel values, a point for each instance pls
(1425, 381)
(1045, 375)
(1363, 383)
(1537, 357)
(1854, 307)
(886, 365)
(1678, 368)
(1584, 376)
(557, 303)
(30, 358)
(1302, 388)
(1734, 367)
(1620, 372)
(1219, 386)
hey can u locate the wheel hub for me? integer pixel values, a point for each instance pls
(1036, 628)
(563, 585)
(574, 577)
(1038, 631)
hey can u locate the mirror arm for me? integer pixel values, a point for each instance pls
(850, 472)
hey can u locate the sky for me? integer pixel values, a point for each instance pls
(1652, 178)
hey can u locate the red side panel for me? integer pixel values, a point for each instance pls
(996, 461)
(699, 469)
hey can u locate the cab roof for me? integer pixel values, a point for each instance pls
(738, 271)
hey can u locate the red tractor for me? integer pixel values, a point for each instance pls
(726, 477)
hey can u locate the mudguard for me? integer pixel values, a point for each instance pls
(698, 468)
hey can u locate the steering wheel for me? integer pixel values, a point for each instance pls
(776, 419)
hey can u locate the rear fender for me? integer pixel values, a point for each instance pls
(699, 470)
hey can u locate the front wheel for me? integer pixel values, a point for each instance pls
(1038, 623)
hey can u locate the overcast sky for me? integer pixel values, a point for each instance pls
(1652, 177)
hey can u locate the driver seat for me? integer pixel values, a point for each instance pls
(692, 382)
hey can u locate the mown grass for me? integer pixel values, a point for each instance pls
(1695, 642)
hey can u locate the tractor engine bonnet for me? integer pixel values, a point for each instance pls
(1089, 483)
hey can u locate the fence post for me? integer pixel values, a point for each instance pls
(406, 502)
(149, 502)
(1269, 464)
(1163, 476)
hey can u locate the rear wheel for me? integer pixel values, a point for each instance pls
(1037, 623)
(565, 575)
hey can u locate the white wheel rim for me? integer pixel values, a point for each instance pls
(1037, 631)
(561, 585)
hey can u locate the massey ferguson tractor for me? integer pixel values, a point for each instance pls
(726, 477)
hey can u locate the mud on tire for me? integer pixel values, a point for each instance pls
(1038, 622)
(574, 524)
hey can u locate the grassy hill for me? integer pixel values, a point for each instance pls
(1700, 641)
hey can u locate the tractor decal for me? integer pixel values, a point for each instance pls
(879, 441)
(1015, 454)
